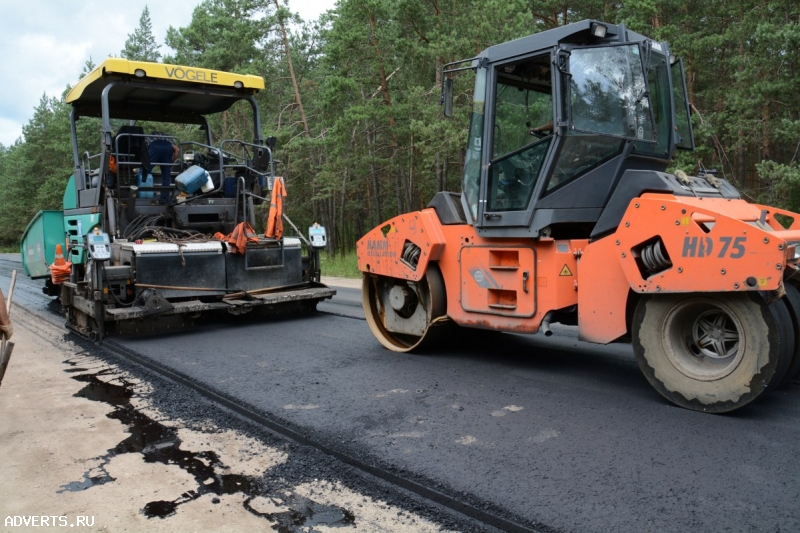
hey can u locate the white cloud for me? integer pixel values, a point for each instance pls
(10, 130)
(45, 44)
(309, 9)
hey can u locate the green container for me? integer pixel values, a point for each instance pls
(38, 243)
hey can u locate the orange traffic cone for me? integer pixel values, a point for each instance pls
(59, 256)
(60, 269)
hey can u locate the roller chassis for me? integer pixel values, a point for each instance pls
(524, 285)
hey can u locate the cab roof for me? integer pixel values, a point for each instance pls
(576, 33)
(159, 91)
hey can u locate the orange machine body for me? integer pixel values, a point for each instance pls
(578, 222)
(709, 245)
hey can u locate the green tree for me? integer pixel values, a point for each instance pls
(227, 35)
(742, 68)
(224, 35)
(387, 147)
(371, 141)
(34, 171)
(141, 45)
(88, 66)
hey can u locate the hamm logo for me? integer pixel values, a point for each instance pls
(379, 248)
(377, 245)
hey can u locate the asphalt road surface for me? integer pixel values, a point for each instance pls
(566, 435)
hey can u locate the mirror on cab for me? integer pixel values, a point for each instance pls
(447, 97)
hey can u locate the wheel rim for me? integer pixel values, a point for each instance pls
(703, 339)
(715, 335)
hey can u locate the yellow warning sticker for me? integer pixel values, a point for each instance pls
(565, 271)
(762, 282)
(684, 221)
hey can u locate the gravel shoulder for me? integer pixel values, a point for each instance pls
(349, 283)
(86, 444)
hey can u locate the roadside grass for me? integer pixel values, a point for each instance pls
(9, 249)
(340, 267)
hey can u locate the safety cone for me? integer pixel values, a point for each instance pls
(59, 256)
(60, 269)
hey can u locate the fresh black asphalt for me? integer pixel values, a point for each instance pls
(564, 434)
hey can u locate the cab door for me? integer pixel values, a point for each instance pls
(519, 134)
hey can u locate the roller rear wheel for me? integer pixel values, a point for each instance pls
(400, 313)
(793, 303)
(714, 352)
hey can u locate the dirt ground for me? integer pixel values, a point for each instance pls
(350, 283)
(69, 458)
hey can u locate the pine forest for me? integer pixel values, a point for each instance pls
(354, 97)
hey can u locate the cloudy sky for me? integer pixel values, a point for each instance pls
(45, 44)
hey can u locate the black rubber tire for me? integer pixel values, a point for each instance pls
(760, 344)
(793, 303)
(788, 341)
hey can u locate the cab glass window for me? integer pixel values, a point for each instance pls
(608, 92)
(581, 153)
(658, 78)
(472, 162)
(521, 131)
(513, 176)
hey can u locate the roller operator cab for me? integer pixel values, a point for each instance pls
(567, 215)
(159, 225)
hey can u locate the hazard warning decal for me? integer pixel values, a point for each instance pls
(565, 271)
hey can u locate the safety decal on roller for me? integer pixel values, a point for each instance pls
(565, 271)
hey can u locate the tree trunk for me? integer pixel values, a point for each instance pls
(766, 152)
(341, 211)
(398, 175)
(331, 225)
(741, 135)
(288, 51)
(359, 223)
(410, 185)
(437, 168)
(374, 177)
(387, 100)
(444, 172)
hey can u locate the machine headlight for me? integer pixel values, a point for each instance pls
(598, 30)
